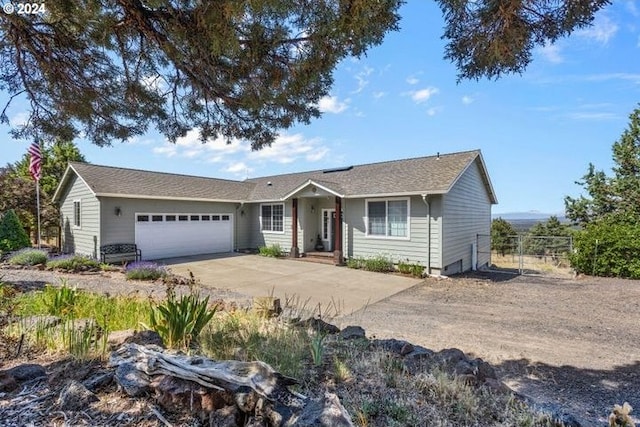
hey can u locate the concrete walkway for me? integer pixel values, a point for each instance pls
(309, 283)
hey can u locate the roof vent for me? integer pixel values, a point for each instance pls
(342, 169)
(269, 184)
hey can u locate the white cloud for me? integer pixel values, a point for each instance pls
(551, 52)
(287, 149)
(168, 150)
(466, 100)
(602, 30)
(592, 116)
(317, 155)
(361, 77)
(378, 95)
(433, 111)
(331, 104)
(19, 119)
(238, 168)
(423, 95)
(412, 80)
(632, 8)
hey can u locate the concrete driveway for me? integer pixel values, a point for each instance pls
(310, 283)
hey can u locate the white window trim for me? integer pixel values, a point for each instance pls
(385, 237)
(73, 216)
(284, 216)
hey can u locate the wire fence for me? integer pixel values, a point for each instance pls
(526, 254)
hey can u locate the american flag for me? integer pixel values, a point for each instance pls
(35, 164)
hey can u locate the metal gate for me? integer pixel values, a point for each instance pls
(534, 255)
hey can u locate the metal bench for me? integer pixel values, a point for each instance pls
(120, 252)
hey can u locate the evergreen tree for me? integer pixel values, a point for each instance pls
(617, 197)
(12, 234)
(502, 236)
(233, 68)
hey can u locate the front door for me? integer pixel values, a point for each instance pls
(327, 234)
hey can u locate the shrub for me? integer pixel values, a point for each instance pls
(73, 263)
(180, 321)
(608, 248)
(12, 234)
(378, 263)
(415, 270)
(274, 251)
(28, 257)
(144, 270)
(355, 262)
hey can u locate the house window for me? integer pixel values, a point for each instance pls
(76, 213)
(272, 217)
(388, 218)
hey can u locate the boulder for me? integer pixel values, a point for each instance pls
(352, 332)
(27, 372)
(133, 381)
(75, 397)
(7, 382)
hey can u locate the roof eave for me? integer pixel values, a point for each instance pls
(148, 197)
(396, 194)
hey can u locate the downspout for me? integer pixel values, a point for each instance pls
(424, 199)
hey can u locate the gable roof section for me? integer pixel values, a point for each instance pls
(422, 175)
(107, 181)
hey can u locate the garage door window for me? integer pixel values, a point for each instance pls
(143, 218)
(183, 217)
(216, 217)
(225, 217)
(206, 217)
(170, 218)
(156, 218)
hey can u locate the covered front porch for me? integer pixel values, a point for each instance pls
(316, 229)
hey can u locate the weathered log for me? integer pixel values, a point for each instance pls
(258, 390)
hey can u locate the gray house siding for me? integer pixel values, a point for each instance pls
(83, 240)
(466, 214)
(121, 229)
(414, 250)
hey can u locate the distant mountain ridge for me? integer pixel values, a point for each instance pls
(523, 221)
(531, 215)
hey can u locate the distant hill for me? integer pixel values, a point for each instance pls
(523, 221)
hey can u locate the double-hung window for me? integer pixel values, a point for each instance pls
(272, 217)
(388, 218)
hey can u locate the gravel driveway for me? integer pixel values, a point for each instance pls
(571, 344)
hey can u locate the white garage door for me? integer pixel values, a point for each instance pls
(172, 235)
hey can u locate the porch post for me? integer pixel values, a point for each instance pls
(295, 251)
(337, 244)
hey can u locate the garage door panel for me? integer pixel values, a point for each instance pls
(166, 239)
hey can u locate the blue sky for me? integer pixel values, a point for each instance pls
(538, 131)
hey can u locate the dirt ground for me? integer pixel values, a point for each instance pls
(567, 343)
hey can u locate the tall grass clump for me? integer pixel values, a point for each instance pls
(248, 336)
(144, 270)
(73, 263)
(28, 257)
(179, 321)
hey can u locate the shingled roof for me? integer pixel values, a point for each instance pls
(422, 175)
(107, 181)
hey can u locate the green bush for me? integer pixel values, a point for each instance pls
(28, 257)
(12, 234)
(274, 251)
(608, 248)
(73, 263)
(414, 270)
(380, 263)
